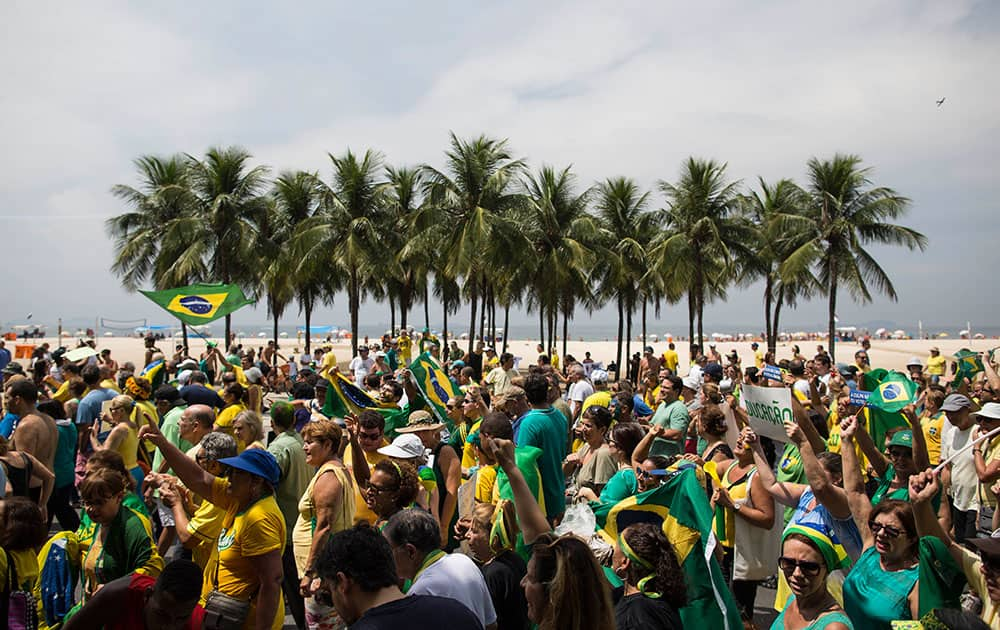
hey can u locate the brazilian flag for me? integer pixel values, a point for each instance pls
(434, 385)
(969, 364)
(890, 392)
(680, 507)
(198, 304)
(343, 397)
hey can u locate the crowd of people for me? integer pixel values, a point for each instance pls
(191, 494)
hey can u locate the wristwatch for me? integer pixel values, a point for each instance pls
(736, 506)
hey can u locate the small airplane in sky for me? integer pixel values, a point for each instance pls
(941, 101)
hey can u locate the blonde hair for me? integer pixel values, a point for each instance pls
(123, 401)
(253, 421)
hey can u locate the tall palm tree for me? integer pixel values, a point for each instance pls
(220, 229)
(347, 224)
(141, 253)
(276, 263)
(561, 235)
(408, 258)
(468, 198)
(850, 213)
(627, 227)
(780, 214)
(703, 235)
(297, 195)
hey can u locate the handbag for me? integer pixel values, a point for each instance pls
(22, 611)
(224, 612)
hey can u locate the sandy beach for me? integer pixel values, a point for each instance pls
(890, 354)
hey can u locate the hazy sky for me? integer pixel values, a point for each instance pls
(624, 88)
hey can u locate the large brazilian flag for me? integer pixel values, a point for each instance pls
(890, 392)
(198, 304)
(343, 397)
(434, 385)
(680, 507)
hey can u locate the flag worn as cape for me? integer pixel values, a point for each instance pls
(434, 385)
(343, 397)
(198, 304)
(680, 507)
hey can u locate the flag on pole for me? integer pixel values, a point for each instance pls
(894, 392)
(434, 385)
(680, 507)
(969, 364)
(200, 303)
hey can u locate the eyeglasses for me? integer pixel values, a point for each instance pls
(887, 530)
(96, 503)
(468, 402)
(788, 565)
(369, 436)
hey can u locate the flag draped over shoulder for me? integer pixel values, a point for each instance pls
(893, 391)
(200, 303)
(154, 373)
(434, 385)
(679, 506)
(343, 397)
(969, 364)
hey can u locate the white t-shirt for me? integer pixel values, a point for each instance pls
(456, 576)
(802, 386)
(361, 368)
(964, 481)
(579, 391)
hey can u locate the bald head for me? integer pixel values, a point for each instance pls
(203, 415)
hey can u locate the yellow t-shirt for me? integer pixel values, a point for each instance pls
(405, 344)
(226, 417)
(936, 366)
(991, 452)
(469, 459)
(758, 359)
(485, 481)
(204, 527)
(971, 568)
(933, 426)
(361, 510)
(329, 362)
(145, 413)
(554, 360)
(26, 566)
(670, 360)
(258, 530)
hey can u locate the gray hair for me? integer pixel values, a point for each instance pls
(253, 420)
(414, 527)
(216, 446)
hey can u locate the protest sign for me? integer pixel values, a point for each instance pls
(771, 372)
(769, 408)
(859, 397)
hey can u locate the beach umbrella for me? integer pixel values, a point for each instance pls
(899, 334)
(80, 353)
(979, 336)
(963, 332)
(109, 334)
(262, 334)
(283, 335)
(880, 332)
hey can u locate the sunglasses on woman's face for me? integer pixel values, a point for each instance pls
(788, 565)
(642, 473)
(887, 530)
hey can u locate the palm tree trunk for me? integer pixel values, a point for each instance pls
(618, 355)
(701, 323)
(832, 314)
(645, 339)
(541, 324)
(482, 315)
(506, 325)
(307, 307)
(493, 318)
(444, 330)
(565, 335)
(691, 311)
(352, 297)
(777, 316)
(552, 332)
(404, 303)
(392, 312)
(427, 306)
(184, 334)
(767, 314)
(472, 316)
(229, 327)
(275, 332)
(628, 340)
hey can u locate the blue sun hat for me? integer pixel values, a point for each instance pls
(255, 461)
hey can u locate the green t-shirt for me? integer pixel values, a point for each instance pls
(171, 430)
(622, 485)
(673, 416)
(791, 470)
(546, 429)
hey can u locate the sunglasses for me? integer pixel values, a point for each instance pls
(788, 565)
(649, 474)
(887, 530)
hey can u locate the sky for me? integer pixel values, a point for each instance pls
(625, 88)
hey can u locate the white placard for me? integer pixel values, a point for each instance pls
(769, 409)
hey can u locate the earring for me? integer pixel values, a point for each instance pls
(620, 571)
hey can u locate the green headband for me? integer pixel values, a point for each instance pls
(833, 554)
(645, 564)
(499, 537)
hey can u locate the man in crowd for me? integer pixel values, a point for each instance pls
(89, 412)
(672, 415)
(579, 389)
(648, 363)
(361, 366)
(197, 392)
(544, 427)
(35, 433)
(502, 376)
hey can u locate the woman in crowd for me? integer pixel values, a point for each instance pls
(564, 587)
(808, 555)
(123, 437)
(144, 412)
(410, 449)
(747, 510)
(883, 584)
(654, 583)
(711, 425)
(19, 469)
(22, 532)
(122, 541)
(234, 399)
(392, 487)
(592, 465)
(253, 528)
(650, 470)
(109, 460)
(326, 507)
(624, 437)
(248, 428)
(492, 534)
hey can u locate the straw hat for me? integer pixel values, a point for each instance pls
(420, 420)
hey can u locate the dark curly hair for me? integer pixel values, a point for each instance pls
(404, 477)
(650, 544)
(626, 436)
(713, 420)
(600, 416)
(22, 525)
(362, 554)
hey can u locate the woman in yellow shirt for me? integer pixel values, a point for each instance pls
(234, 398)
(247, 562)
(123, 437)
(248, 428)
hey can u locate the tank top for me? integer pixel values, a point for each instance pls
(305, 525)
(874, 597)
(821, 622)
(128, 447)
(19, 478)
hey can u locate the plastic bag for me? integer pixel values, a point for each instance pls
(579, 519)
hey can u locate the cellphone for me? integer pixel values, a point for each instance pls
(106, 407)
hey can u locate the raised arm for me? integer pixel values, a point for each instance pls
(923, 487)
(808, 428)
(991, 374)
(920, 456)
(196, 478)
(854, 486)
(826, 491)
(530, 517)
(642, 448)
(784, 492)
(874, 454)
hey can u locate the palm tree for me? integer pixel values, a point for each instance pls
(560, 234)
(219, 230)
(347, 224)
(141, 252)
(780, 217)
(467, 199)
(627, 227)
(703, 235)
(409, 259)
(850, 213)
(276, 264)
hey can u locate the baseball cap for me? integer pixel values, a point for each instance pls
(902, 438)
(405, 446)
(648, 349)
(255, 461)
(990, 410)
(935, 349)
(458, 363)
(13, 368)
(691, 382)
(914, 361)
(362, 348)
(714, 370)
(956, 402)
(754, 345)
